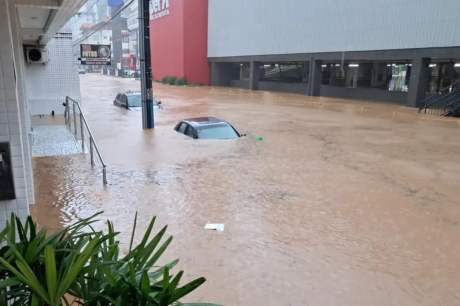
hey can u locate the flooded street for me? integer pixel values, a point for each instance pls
(325, 202)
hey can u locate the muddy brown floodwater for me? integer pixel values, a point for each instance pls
(341, 203)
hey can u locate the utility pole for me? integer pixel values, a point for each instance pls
(146, 65)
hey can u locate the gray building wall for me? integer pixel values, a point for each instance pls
(261, 27)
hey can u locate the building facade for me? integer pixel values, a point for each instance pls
(48, 84)
(388, 50)
(22, 24)
(178, 30)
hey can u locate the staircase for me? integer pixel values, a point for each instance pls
(443, 104)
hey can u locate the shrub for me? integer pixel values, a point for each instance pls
(80, 262)
(172, 80)
(165, 80)
(181, 81)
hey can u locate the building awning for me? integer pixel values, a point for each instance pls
(41, 19)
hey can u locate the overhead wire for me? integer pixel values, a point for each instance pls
(103, 24)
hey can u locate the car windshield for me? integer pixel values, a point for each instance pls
(134, 101)
(223, 131)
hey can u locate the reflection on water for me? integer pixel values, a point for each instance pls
(338, 204)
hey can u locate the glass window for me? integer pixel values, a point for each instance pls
(189, 131)
(284, 72)
(217, 132)
(134, 101)
(123, 101)
(182, 128)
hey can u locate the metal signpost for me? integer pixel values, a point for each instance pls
(146, 66)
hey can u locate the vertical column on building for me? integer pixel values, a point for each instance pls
(24, 112)
(376, 71)
(418, 82)
(306, 66)
(314, 87)
(11, 122)
(254, 75)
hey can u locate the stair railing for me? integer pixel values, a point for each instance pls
(72, 122)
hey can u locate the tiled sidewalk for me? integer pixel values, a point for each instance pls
(52, 140)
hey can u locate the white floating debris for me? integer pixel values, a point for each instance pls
(215, 227)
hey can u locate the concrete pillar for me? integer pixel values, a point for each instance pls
(378, 69)
(418, 83)
(314, 88)
(254, 75)
(332, 75)
(221, 74)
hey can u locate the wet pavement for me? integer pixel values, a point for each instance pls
(53, 140)
(338, 202)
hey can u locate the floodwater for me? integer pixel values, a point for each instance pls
(339, 203)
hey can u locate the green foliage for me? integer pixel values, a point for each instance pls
(80, 262)
(172, 80)
(165, 80)
(181, 81)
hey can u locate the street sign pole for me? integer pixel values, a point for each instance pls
(146, 65)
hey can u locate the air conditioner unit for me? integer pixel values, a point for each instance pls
(36, 55)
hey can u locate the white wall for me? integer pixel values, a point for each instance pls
(13, 123)
(48, 84)
(258, 27)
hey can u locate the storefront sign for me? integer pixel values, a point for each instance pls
(159, 9)
(95, 54)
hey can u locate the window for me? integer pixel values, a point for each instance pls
(189, 131)
(182, 128)
(217, 132)
(124, 100)
(284, 72)
(134, 101)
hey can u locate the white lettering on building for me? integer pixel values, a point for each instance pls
(159, 9)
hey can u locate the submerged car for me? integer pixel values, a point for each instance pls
(207, 128)
(131, 99)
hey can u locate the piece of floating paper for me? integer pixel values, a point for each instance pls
(215, 227)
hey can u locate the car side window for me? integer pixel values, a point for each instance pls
(124, 100)
(117, 99)
(182, 128)
(189, 131)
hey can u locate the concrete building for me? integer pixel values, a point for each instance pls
(48, 84)
(22, 23)
(178, 31)
(388, 50)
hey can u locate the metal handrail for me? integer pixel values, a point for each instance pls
(92, 144)
(440, 96)
(441, 101)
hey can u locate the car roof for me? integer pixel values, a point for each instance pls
(130, 93)
(204, 121)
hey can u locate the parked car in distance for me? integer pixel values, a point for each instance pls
(207, 128)
(131, 99)
(81, 70)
